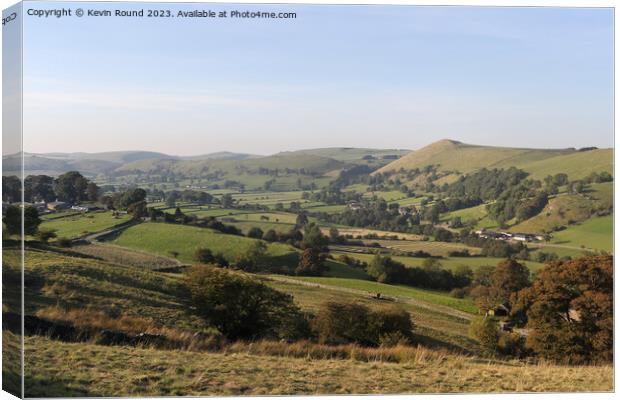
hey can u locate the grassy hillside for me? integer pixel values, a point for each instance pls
(160, 238)
(147, 372)
(576, 165)
(451, 155)
(134, 297)
(568, 209)
(595, 233)
(82, 224)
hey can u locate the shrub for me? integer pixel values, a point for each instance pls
(457, 293)
(64, 242)
(484, 330)
(241, 307)
(44, 235)
(256, 233)
(339, 323)
(511, 344)
(206, 256)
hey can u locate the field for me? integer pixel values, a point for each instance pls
(595, 233)
(431, 247)
(78, 225)
(446, 262)
(162, 239)
(428, 296)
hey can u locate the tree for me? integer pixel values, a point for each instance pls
(315, 248)
(255, 232)
(270, 236)
(11, 189)
(252, 259)
(484, 330)
(310, 263)
(71, 187)
(39, 188)
(204, 256)
(171, 201)
(386, 270)
(92, 191)
(507, 278)
(301, 220)
(227, 201)
(254, 311)
(44, 235)
(13, 220)
(569, 310)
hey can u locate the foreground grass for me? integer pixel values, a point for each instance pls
(63, 369)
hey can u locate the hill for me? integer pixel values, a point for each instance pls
(86, 293)
(451, 155)
(354, 154)
(310, 163)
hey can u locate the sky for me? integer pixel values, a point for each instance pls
(353, 76)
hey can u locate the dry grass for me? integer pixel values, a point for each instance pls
(124, 256)
(314, 351)
(69, 369)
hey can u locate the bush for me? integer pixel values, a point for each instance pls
(457, 293)
(339, 323)
(44, 235)
(256, 233)
(206, 256)
(511, 344)
(64, 242)
(484, 330)
(254, 311)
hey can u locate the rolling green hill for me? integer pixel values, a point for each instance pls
(450, 155)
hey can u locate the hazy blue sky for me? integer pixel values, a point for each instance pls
(364, 76)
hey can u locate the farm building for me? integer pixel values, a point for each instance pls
(57, 205)
(354, 205)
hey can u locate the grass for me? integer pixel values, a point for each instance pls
(430, 296)
(123, 256)
(74, 282)
(434, 248)
(595, 233)
(70, 369)
(565, 210)
(446, 262)
(576, 165)
(455, 156)
(80, 225)
(162, 239)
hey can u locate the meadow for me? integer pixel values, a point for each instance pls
(77, 225)
(163, 239)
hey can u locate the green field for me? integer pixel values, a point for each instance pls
(430, 296)
(595, 233)
(160, 238)
(431, 247)
(82, 224)
(446, 262)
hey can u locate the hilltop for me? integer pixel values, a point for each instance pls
(453, 156)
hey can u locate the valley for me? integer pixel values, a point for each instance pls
(120, 243)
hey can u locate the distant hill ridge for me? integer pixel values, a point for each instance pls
(455, 156)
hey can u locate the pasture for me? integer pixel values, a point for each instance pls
(595, 233)
(163, 239)
(77, 225)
